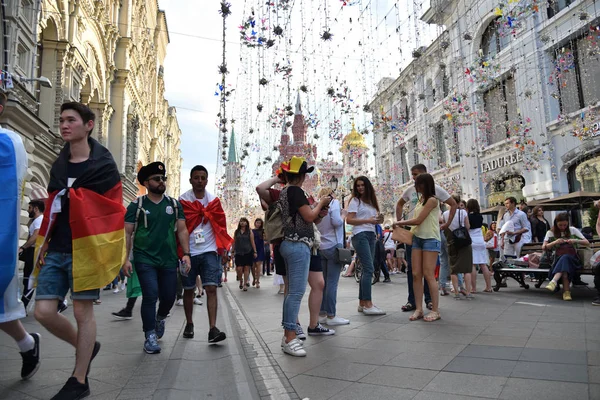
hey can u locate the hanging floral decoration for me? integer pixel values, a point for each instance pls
(284, 69)
(484, 71)
(326, 35)
(250, 34)
(513, 13)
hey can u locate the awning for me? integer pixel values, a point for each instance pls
(493, 210)
(571, 201)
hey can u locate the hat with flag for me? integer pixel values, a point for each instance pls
(297, 165)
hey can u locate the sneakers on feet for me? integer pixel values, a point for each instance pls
(387, 280)
(122, 286)
(116, 290)
(123, 314)
(294, 348)
(300, 332)
(596, 301)
(551, 286)
(151, 344)
(335, 321)
(179, 302)
(73, 390)
(215, 335)
(31, 359)
(320, 330)
(62, 307)
(188, 332)
(160, 328)
(374, 310)
(197, 301)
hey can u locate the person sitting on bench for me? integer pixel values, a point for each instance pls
(563, 240)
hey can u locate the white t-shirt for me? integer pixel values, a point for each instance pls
(389, 243)
(458, 221)
(205, 230)
(574, 232)
(411, 197)
(363, 211)
(35, 225)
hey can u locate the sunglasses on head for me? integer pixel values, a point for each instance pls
(158, 178)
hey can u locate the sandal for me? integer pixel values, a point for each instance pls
(487, 290)
(258, 285)
(245, 289)
(417, 315)
(241, 286)
(430, 306)
(432, 316)
(408, 307)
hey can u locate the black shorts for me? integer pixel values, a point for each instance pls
(279, 261)
(244, 260)
(315, 264)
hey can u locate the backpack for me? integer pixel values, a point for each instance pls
(139, 210)
(274, 222)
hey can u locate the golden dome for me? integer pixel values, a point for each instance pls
(354, 140)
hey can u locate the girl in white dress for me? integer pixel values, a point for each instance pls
(480, 253)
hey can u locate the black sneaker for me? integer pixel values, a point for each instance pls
(215, 335)
(123, 314)
(94, 354)
(31, 359)
(73, 390)
(320, 330)
(596, 301)
(387, 280)
(61, 307)
(188, 332)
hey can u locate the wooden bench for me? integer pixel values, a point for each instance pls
(517, 270)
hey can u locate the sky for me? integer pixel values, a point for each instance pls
(195, 52)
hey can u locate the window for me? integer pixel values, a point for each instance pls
(455, 146)
(415, 149)
(492, 42)
(445, 84)
(27, 10)
(23, 57)
(440, 145)
(500, 102)
(555, 6)
(580, 70)
(404, 165)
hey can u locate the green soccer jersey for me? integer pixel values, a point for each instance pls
(155, 244)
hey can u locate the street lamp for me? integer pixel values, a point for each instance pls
(44, 82)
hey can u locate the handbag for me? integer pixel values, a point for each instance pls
(402, 235)
(343, 256)
(461, 235)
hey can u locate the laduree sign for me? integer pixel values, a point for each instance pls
(500, 162)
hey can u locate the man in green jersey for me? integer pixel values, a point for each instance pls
(153, 224)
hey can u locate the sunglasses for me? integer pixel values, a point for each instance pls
(158, 179)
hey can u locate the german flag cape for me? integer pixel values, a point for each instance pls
(196, 213)
(97, 217)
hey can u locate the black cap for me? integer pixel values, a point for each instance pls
(155, 168)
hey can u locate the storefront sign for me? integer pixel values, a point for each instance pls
(595, 129)
(501, 162)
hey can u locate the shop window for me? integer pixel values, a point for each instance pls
(556, 6)
(492, 41)
(440, 145)
(500, 102)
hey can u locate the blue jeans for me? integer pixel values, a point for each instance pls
(331, 272)
(364, 245)
(444, 262)
(297, 262)
(156, 284)
(409, 278)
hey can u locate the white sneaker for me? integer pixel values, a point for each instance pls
(336, 321)
(323, 320)
(123, 286)
(179, 302)
(373, 310)
(197, 301)
(294, 348)
(116, 290)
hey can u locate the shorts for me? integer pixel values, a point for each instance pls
(56, 278)
(315, 263)
(244, 260)
(493, 253)
(279, 261)
(433, 245)
(207, 266)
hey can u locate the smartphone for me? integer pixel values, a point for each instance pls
(182, 268)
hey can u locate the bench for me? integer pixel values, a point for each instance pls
(518, 269)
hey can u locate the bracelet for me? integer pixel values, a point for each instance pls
(187, 254)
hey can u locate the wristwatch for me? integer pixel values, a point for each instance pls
(187, 254)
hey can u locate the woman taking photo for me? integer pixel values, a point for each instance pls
(426, 245)
(480, 254)
(298, 241)
(363, 215)
(258, 234)
(461, 258)
(539, 225)
(244, 251)
(563, 240)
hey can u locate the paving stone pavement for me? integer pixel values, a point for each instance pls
(514, 344)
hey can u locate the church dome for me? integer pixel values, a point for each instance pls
(354, 140)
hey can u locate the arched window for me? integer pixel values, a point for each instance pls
(493, 40)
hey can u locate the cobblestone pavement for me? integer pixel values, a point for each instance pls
(514, 344)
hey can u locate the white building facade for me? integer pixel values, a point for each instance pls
(503, 103)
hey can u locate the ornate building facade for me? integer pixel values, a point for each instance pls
(108, 54)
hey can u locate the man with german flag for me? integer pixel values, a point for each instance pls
(81, 243)
(207, 226)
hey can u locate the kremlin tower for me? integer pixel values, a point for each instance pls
(232, 193)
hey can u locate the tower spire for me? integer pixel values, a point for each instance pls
(232, 158)
(298, 104)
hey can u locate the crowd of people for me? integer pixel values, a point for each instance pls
(173, 251)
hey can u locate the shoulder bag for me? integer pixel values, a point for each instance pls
(402, 235)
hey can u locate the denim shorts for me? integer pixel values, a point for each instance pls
(207, 266)
(426, 244)
(56, 278)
